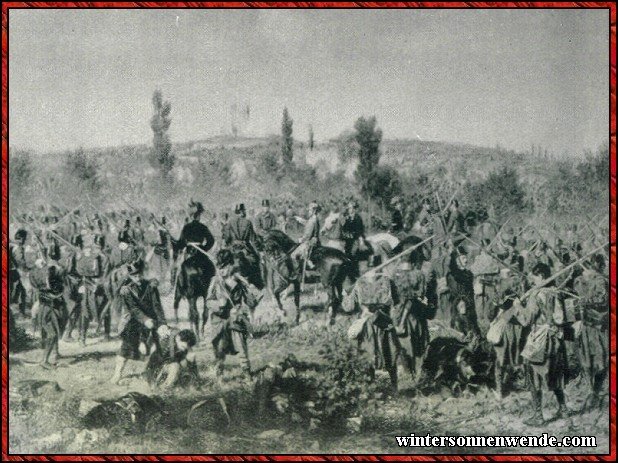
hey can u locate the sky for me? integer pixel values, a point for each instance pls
(485, 77)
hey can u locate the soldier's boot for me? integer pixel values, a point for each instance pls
(563, 411)
(537, 416)
(118, 369)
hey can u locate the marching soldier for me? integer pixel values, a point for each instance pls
(266, 220)
(90, 268)
(142, 316)
(52, 315)
(228, 324)
(591, 336)
(545, 350)
(410, 315)
(18, 264)
(373, 296)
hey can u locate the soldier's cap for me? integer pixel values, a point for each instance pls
(374, 261)
(396, 200)
(21, 233)
(239, 208)
(136, 267)
(265, 203)
(196, 207)
(353, 204)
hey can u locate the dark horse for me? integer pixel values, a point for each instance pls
(192, 281)
(279, 273)
(422, 253)
(334, 269)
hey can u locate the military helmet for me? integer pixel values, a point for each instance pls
(240, 208)
(265, 203)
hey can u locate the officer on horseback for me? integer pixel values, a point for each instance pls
(240, 237)
(195, 238)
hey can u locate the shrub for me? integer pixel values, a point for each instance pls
(501, 191)
(84, 168)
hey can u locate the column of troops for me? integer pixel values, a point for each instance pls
(534, 296)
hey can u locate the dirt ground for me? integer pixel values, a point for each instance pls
(50, 422)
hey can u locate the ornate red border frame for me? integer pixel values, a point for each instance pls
(5, 144)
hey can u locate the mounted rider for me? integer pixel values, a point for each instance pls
(311, 234)
(265, 220)
(240, 238)
(195, 239)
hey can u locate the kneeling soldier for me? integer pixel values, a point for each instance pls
(172, 363)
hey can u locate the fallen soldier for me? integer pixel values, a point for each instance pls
(174, 363)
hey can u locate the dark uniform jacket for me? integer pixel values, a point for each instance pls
(239, 230)
(396, 221)
(353, 228)
(264, 222)
(198, 233)
(140, 302)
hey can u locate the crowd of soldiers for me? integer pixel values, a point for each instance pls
(530, 295)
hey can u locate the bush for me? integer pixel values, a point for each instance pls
(501, 191)
(384, 184)
(84, 168)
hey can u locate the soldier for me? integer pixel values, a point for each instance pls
(240, 238)
(173, 360)
(545, 351)
(52, 316)
(126, 251)
(456, 223)
(396, 227)
(101, 297)
(228, 324)
(374, 295)
(142, 316)
(353, 232)
(137, 232)
(195, 239)
(90, 268)
(266, 220)
(460, 283)
(411, 314)
(423, 224)
(593, 316)
(311, 235)
(17, 264)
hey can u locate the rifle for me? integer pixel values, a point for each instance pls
(510, 312)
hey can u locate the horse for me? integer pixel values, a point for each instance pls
(334, 268)
(279, 273)
(191, 281)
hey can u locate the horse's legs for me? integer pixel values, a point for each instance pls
(296, 285)
(177, 298)
(204, 314)
(194, 317)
